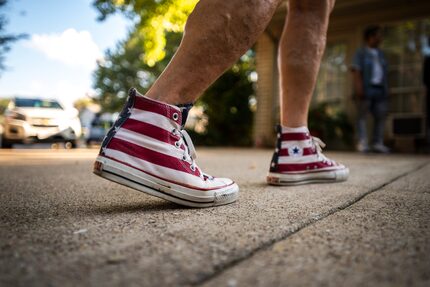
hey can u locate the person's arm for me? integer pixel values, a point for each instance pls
(357, 77)
(426, 73)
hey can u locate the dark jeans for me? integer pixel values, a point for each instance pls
(376, 103)
(428, 108)
(427, 115)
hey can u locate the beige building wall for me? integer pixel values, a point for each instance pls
(266, 90)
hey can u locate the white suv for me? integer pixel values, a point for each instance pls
(29, 120)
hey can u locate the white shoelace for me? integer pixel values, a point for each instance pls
(189, 154)
(319, 145)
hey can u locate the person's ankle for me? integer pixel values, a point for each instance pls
(170, 99)
(295, 129)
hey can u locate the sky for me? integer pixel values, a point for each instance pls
(59, 56)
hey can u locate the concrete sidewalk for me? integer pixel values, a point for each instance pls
(62, 226)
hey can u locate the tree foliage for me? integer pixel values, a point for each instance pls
(138, 60)
(124, 68)
(154, 20)
(227, 105)
(5, 39)
(3, 105)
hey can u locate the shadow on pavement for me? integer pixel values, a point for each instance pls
(149, 206)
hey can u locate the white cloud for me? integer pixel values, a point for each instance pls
(71, 47)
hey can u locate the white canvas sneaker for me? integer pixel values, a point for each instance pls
(147, 149)
(380, 148)
(363, 147)
(298, 159)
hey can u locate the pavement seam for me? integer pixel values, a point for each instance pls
(291, 231)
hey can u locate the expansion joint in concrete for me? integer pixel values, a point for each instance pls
(298, 227)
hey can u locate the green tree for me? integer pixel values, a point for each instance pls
(124, 68)
(138, 60)
(3, 105)
(227, 105)
(154, 18)
(5, 39)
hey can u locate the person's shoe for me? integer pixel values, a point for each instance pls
(380, 148)
(298, 159)
(363, 147)
(147, 149)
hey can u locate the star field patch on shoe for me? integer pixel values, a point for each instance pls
(295, 151)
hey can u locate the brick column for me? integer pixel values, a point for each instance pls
(267, 91)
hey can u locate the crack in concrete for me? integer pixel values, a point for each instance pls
(266, 245)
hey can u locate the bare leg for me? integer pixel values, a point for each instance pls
(217, 33)
(300, 50)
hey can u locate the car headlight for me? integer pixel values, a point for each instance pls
(15, 116)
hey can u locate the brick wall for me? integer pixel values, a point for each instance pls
(266, 91)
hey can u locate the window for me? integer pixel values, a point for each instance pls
(404, 46)
(37, 103)
(332, 77)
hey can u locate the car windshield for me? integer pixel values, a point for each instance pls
(37, 103)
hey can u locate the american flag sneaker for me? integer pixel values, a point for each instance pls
(147, 149)
(298, 159)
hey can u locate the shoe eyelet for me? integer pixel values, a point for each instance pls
(173, 131)
(177, 144)
(175, 116)
(193, 168)
(184, 158)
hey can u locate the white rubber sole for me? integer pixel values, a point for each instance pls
(335, 175)
(136, 179)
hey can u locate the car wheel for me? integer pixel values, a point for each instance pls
(4, 143)
(71, 144)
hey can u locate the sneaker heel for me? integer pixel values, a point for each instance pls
(98, 168)
(272, 180)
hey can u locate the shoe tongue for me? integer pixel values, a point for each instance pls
(185, 109)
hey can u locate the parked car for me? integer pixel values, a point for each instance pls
(31, 120)
(1, 134)
(100, 125)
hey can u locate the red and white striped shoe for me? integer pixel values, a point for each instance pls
(298, 159)
(147, 149)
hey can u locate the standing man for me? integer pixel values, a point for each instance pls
(147, 148)
(369, 70)
(426, 82)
